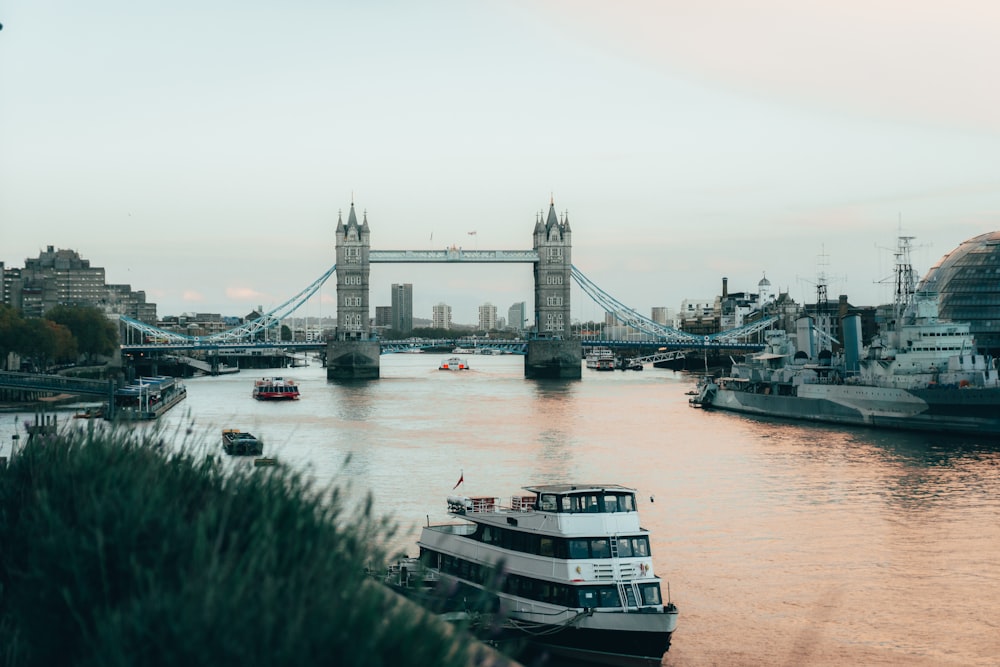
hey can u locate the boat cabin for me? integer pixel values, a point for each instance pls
(576, 499)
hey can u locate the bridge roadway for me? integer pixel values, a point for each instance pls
(390, 346)
(205, 346)
(105, 389)
(452, 255)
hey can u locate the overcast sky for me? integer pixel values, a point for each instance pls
(201, 151)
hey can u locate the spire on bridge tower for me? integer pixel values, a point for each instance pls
(553, 219)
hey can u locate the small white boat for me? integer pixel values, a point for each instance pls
(454, 364)
(601, 359)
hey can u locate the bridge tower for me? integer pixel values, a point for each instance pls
(352, 354)
(552, 353)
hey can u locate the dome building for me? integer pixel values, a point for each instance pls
(968, 282)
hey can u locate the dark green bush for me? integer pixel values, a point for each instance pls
(117, 552)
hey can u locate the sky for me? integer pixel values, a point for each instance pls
(202, 152)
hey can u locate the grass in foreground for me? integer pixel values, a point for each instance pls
(115, 552)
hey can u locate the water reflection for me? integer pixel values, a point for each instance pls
(553, 413)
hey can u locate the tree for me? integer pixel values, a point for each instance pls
(95, 333)
(38, 342)
(64, 343)
(11, 332)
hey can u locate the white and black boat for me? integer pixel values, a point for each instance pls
(567, 569)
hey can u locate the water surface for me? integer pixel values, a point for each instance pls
(782, 543)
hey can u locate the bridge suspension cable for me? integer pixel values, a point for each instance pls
(243, 332)
(628, 316)
(631, 318)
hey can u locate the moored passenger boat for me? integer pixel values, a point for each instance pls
(148, 397)
(567, 569)
(275, 389)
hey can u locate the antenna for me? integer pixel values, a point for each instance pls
(904, 278)
(906, 282)
(822, 280)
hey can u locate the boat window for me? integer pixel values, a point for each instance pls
(579, 548)
(640, 546)
(547, 503)
(626, 503)
(599, 548)
(650, 593)
(571, 504)
(546, 547)
(590, 503)
(610, 503)
(588, 597)
(609, 597)
(624, 548)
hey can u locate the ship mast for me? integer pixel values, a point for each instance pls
(906, 284)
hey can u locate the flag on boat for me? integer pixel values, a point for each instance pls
(472, 233)
(460, 480)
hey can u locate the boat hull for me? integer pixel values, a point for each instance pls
(637, 638)
(630, 647)
(955, 410)
(241, 444)
(151, 412)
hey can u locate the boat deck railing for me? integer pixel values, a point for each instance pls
(482, 504)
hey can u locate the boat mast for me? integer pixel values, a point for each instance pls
(906, 284)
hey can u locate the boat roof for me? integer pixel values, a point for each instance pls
(576, 488)
(145, 384)
(769, 355)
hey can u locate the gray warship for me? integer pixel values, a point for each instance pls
(921, 373)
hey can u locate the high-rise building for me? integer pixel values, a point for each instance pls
(441, 316)
(383, 317)
(517, 314)
(487, 317)
(663, 315)
(402, 307)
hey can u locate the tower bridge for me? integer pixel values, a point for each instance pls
(353, 351)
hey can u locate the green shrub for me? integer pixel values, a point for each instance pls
(116, 552)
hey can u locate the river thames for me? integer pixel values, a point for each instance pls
(782, 543)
